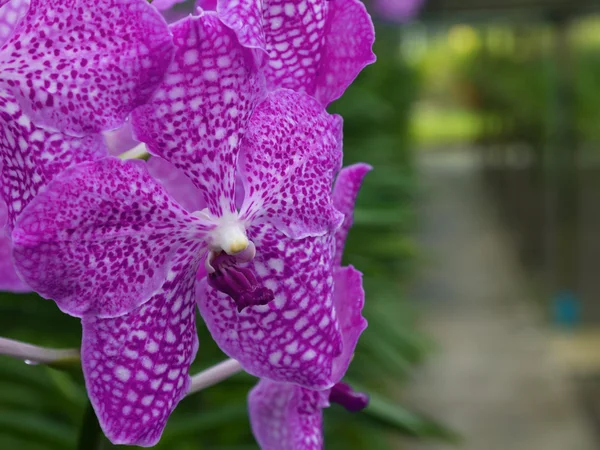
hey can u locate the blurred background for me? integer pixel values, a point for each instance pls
(476, 233)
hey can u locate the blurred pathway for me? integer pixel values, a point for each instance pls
(494, 378)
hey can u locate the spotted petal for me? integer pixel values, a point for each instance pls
(349, 300)
(31, 156)
(295, 338)
(9, 281)
(120, 139)
(286, 417)
(103, 237)
(289, 156)
(11, 13)
(80, 66)
(162, 5)
(136, 366)
(245, 18)
(314, 46)
(179, 187)
(198, 115)
(345, 191)
(347, 48)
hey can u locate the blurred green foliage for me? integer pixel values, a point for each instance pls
(43, 409)
(497, 82)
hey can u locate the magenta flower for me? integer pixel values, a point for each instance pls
(286, 416)
(313, 46)
(289, 151)
(109, 245)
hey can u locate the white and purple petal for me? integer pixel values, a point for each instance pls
(198, 115)
(179, 187)
(120, 140)
(103, 237)
(136, 366)
(245, 18)
(314, 46)
(284, 416)
(11, 14)
(345, 191)
(162, 5)
(295, 338)
(31, 156)
(348, 300)
(347, 49)
(289, 156)
(9, 280)
(81, 66)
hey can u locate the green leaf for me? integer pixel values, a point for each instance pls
(198, 422)
(393, 416)
(30, 427)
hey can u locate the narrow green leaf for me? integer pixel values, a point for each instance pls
(37, 429)
(398, 418)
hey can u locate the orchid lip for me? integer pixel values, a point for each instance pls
(344, 395)
(240, 284)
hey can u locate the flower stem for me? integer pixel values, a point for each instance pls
(214, 375)
(140, 151)
(90, 434)
(35, 354)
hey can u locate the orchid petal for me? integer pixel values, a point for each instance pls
(289, 156)
(347, 50)
(345, 191)
(103, 237)
(349, 300)
(31, 157)
(286, 417)
(244, 17)
(81, 66)
(11, 14)
(9, 280)
(198, 115)
(136, 366)
(120, 140)
(179, 187)
(295, 338)
(161, 5)
(295, 34)
(314, 46)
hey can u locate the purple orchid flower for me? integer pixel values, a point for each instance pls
(313, 46)
(286, 146)
(109, 245)
(56, 93)
(285, 416)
